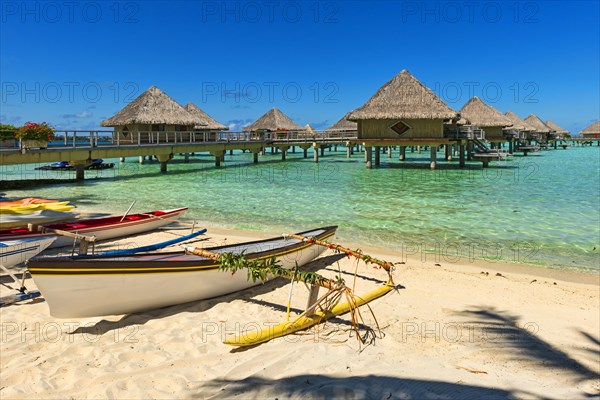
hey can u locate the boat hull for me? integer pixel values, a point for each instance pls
(15, 252)
(76, 287)
(121, 229)
(39, 217)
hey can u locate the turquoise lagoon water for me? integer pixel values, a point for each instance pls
(543, 209)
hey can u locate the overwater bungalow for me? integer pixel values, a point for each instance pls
(592, 132)
(541, 132)
(152, 117)
(557, 133)
(274, 122)
(343, 126)
(403, 112)
(517, 133)
(210, 127)
(481, 115)
(209, 123)
(519, 128)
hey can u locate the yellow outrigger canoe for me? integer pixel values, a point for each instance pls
(305, 322)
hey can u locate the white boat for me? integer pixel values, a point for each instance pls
(15, 252)
(89, 286)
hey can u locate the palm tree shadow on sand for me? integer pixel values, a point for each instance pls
(355, 387)
(505, 332)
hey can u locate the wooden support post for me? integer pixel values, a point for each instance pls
(142, 159)
(348, 151)
(469, 151)
(217, 161)
(79, 172)
(486, 162)
(377, 155)
(315, 153)
(305, 153)
(163, 166)
(283, 153)
(255, 157)
(389, 151)
(369, 156)
(186, 158)
(511, 147)
(433, 156)
(418, 149)
(461, 155)
(313, 296)
(402, 155)
(122, 159)
(447, 152)
(322, 151)
(293, 149)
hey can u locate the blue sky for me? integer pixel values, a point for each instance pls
(73, 64)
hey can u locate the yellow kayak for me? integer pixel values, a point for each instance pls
(26, 202)
(303, 322)
(62, 206)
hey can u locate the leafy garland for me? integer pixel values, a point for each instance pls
(260, 269)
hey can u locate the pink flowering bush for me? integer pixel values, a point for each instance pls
(33, 131)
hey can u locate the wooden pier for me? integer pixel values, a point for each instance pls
(79, 149)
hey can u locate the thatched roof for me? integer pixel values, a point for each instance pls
(343, 125)
(152, 107)
(556, 128)
(537, 124)
(309, 128)
(593, 129)
(273, 120)
(209, 123)
(481, 114)
(403, 97)
(518, 123)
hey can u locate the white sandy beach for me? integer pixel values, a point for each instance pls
(455, 330)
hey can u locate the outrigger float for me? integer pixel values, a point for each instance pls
(328, 306)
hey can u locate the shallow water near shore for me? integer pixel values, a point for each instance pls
(543, 209)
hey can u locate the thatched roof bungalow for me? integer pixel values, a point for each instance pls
(592, 131)
(343, 125)
(541, 130)
(518, 123)
(519, 127)
(403, 109)
(486, 117)
(152, 111)
(559, 133)
(272, 121)
(209, 124)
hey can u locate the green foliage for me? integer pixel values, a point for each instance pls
(7, 131)
(260, 269)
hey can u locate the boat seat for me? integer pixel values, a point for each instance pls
(132, 217)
